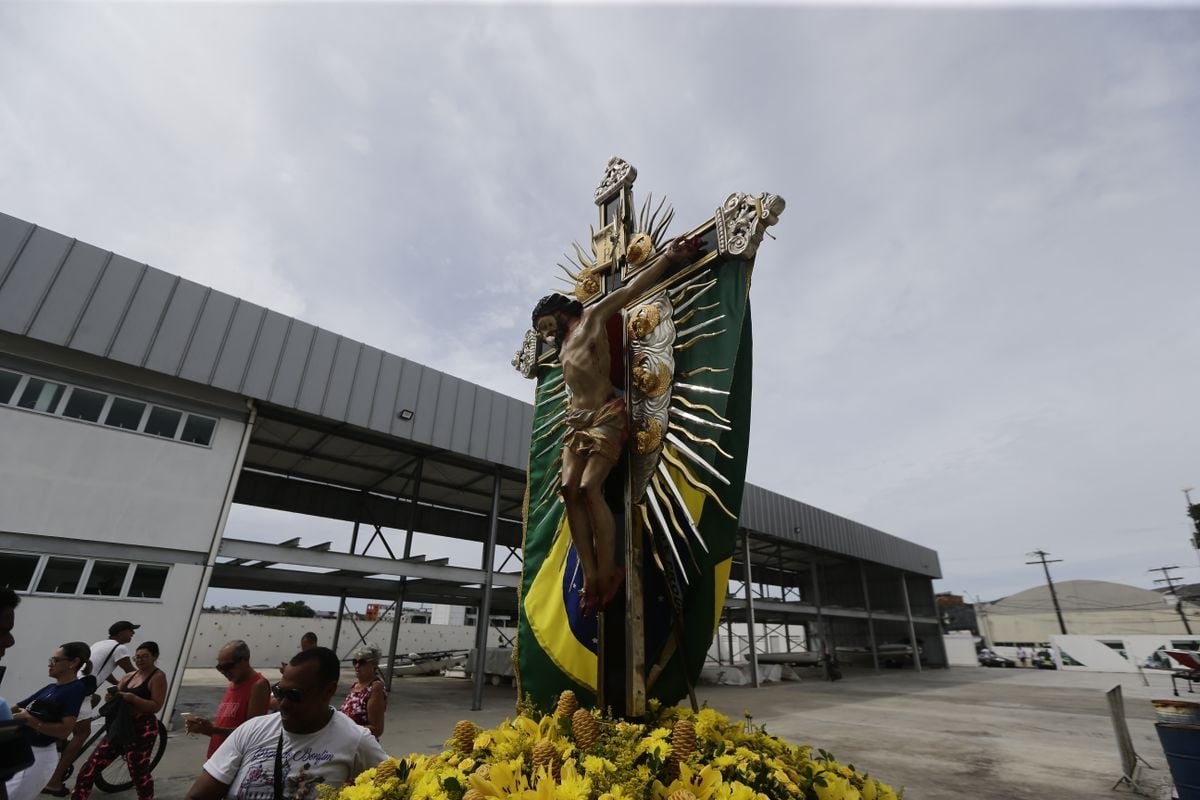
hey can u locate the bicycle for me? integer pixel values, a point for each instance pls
(115, 777)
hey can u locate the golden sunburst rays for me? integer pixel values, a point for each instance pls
(679, 412)
(691, 289)
(650, 223)
(695, 482)
(584, 280)
(665, 499)
(699, 407)
(698, 440)
(548, 386)
(686, 317)
(696, 339)
(691, 387)
(699, 326)
(691, 373)
(652, 502)
(685, 513)
(695, 458)
(553, 419)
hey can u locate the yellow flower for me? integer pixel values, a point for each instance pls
(596, 765)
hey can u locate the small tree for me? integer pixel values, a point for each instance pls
(296, 608)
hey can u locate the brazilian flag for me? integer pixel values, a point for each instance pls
(687, 515)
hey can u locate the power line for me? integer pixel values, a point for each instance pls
(1170, 580)
(1041, 554)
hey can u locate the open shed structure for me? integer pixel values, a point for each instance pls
(138, 406)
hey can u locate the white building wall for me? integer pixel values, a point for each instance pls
(1039, 627)
(276, 639)
(86, 490)
(45, 621)
(60, 477)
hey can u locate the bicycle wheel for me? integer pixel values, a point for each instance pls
(115, 777)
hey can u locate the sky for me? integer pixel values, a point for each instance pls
(976, 329)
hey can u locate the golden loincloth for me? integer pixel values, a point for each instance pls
(601, 431)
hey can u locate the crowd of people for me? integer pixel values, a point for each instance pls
(266, 741)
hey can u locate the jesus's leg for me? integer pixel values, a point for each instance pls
(603, 527)
(579, 522)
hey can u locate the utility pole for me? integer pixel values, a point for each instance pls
(1041, 554)
(1170, 580)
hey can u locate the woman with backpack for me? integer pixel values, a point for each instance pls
(132, 726)
(49, 715)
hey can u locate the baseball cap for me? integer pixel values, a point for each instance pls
(123, 625)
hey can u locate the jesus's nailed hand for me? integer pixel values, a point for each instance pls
(684, 249)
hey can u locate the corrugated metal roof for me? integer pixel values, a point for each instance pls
(72, 294)
(69, 293)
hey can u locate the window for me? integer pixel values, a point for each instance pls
(85, 404)
(40, 395)
(125, 414)
(148, 581)
(61, 575)
(107, 578)
(8, 385)
(17, 570)
(163, 422)
(88, 405)
(198, 430)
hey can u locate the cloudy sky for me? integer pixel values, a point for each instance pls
(977, 329)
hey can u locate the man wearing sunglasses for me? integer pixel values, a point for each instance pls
(246, 696)
(289, 754)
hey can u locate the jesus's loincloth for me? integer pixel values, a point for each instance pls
(598, 432)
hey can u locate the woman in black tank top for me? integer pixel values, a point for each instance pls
(144, 692)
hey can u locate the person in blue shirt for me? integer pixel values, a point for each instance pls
(63, 697)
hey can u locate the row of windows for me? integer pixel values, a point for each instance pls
(91, 577)
(75, 402)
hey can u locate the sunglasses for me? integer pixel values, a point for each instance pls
(225, 666)
(292, 695)
(362, 662)
(56, 659)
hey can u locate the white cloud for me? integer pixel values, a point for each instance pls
(974, 331)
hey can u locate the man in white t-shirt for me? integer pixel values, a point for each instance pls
(107, 655)
(313, 743)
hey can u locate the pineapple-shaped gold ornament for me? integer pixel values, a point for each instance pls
(464, 736)
(545, 755)
(567, 704)
(683, 744)
(385, 771)
(585, 728)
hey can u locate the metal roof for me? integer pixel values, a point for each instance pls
(330, 406)
(73, 294)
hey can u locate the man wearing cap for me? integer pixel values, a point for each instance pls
(107, 655)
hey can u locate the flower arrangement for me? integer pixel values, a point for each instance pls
(578, 754)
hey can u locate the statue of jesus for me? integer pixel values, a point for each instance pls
(597, 418)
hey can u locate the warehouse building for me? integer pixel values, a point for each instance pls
(137, 406)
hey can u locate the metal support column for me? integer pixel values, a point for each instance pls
(912, 631)
(485, 610)
(816, 596)
(729, 638)
(337, 626)
(408, 537)
(750, 608)
(862, 571)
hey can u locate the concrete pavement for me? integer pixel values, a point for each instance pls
(990, 734)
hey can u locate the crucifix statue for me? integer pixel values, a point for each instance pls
(638, 450)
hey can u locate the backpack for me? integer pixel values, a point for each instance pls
(89, 681)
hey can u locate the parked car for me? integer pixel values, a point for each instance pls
(989, 659)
